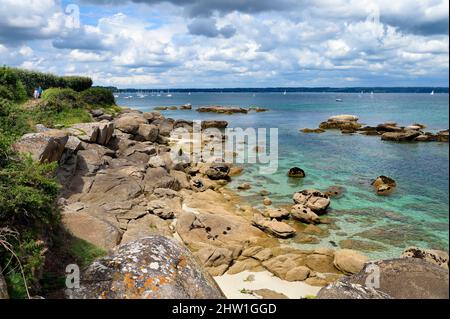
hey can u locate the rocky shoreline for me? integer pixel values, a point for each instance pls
(170, 227)
(389, 131)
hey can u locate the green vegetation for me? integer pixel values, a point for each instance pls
(33, 79)
(29, 220)
(97, 96)
(84, 252)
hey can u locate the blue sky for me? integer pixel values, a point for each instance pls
(233, 43)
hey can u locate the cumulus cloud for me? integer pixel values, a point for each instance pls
(208, 28)
(233, 43)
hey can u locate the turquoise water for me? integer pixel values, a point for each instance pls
(416, 214)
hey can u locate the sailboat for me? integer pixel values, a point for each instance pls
(168, 94)
(189, 93)
(432, 92)
(284, 93)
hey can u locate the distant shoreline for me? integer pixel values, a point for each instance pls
(365, 90)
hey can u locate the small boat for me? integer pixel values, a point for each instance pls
(168, 94)
(116, 95)
(338, 100)
(284, 93)
(371, 93)
(189, 93)
(432, 92)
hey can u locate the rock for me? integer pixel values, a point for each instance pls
(360, 245)
(314, 230)
(87, 132)
(166, 126)
(304, 214)
(148, 132)
(312, 130)
(145, 226)
(400, 136)
(186, 107)
(267, 201)
(154, 267)
(384, 185)
(90, 161)
(215, 123)
(268, 293)
(74, 144)
(388, 127)
(244, 186)
(46, 146)
(334, 191)
(299, 273)
(105, 117)
(97, 112)
(264, 193)
(222, 109)
(249, 264)
(161, 209)
(320, 263)
(282, 264)
(41, 128)
(437, 257)
(349, 261)
(277, 213)
(427, 137)
(343, 290)
(217, 258)
(235, 170)
(343, 122)
(317, 201)
(3, 287)
(156, 161)
(98, 232)
(274, 227)
(218, 171)
(129, 123)
(296, 172)
(442, 136)
(406, 278)
(106, 131)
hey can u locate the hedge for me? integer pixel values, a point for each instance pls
(97, 96)
(33, 79)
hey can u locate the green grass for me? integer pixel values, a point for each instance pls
(64, 118)
(84, 252)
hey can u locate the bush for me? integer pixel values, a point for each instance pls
(33, 79)
(11, 86)
(97, 97)
(57, 99)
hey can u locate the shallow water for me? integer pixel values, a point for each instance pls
(416, 214)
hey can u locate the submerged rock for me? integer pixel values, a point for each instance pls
(154, 267)
(312, 130)
(384, 185)
(296, 172)
(222, 109)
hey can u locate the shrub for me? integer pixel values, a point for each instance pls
(11, 86)
(97, 97)
(33, 79)
(57, 99)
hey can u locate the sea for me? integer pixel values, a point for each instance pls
(416, 214)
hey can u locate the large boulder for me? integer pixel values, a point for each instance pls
(129, 123)
(442, 136)
(384, 185)
(218, 171)
(96, 132)
(296, 172)
(46, 146)
(272, 226)
(304, 214)
(317, 201)
(344, 290)
(154, 267)
(400, 136)
(148, 132)
(349, 261)
(406, 278)
(96, 231)
(437, 257)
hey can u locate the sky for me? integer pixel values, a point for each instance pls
(231, 43)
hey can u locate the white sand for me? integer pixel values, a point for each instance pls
(232, 284)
